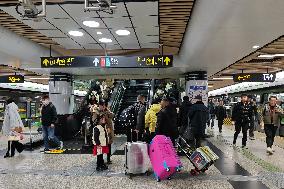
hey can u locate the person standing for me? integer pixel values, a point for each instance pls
(272, 114)
(103, 110)
(221, 115)
(48, 119)
(137, 111)
(12, 127)
(241, 117)
(167, 120)
(198, 116)
(151, 118)
(183, 112)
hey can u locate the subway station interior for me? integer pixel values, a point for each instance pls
(134, 94)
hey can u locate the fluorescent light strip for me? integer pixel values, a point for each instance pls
(41, 78)
(222, 78)
(270, 55)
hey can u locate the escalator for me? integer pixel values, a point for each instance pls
(129, 97)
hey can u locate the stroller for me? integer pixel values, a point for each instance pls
(201, 158)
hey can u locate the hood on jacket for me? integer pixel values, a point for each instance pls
(155, 107)
(12, 106)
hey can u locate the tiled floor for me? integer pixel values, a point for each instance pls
(236, 169)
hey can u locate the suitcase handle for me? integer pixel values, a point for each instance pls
(132, 135)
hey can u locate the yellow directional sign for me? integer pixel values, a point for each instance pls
(167, 61)
(12, 79)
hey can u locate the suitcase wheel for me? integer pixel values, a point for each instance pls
(158, 180)
(193, 172)
(169, 178)
(168, 169)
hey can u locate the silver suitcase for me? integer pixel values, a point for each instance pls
(136, 158)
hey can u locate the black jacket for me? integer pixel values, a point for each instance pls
(167, 122)
(198, 116)
(242, 112)
(48, 115)
(140, 119)
(221, 112)
(183, 119)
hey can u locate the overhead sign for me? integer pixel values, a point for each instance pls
(196, 87)
(12, 79)
(254, 77)
(155, 61)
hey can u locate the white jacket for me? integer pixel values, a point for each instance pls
(12, 119)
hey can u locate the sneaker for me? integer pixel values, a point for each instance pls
(7, 155)
(46, 150)
(244, 147)
(252, 138)
(109, 162)
(269, 151)
(99, 169)
(273, 150)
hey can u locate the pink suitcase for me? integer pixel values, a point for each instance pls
(163, 157)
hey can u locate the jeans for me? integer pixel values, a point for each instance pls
(270, 131)
(48, 134)
(241, 126)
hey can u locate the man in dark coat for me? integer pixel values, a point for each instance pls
(221, 115)
(183, 119)
(198, 116)
(167, 120)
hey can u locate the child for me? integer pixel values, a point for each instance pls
(100, 141)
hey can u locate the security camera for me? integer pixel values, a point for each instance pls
(104, 4)
(30, 10)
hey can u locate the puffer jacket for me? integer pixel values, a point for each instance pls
(277, 113)
(109, 124)
(12, 119)
(151, 117)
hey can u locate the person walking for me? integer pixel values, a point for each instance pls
(241, 117)
(198, 116)
(211, 107)
(271, 117)
(167, 120)
(103, 110)
(221, 115)
(253, 119)
(12, 128)
(151, 118)
(48, 119)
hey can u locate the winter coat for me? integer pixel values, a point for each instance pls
(109, 124)
(242, 113)
(151, 117)
(221, 112)
(12, 119)
(140, 111)
(167, 122)
(48, 115)
(100, 136)
(271, 116)
(183, 119)
(198, 116)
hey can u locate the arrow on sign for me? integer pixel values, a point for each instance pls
(167, 60)
(96, 62)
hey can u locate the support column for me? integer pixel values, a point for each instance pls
(197, 84)
(61, 93)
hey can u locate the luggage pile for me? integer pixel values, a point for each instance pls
(201, 158)
(164, 159)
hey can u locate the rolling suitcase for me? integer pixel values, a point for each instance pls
(164, 159)
(136, 158)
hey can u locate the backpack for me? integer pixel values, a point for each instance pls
(127, 118)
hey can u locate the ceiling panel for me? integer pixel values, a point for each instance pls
(92, 46)
(138, 9)
(65, 25)
(54, 11)
(52, 33)
(120, 11)
(117, 23)
(148, 21)
(67, 43)
(150, 45)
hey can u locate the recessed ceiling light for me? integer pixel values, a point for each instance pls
(76, 33)
(99, 33)
(91, 24)
(255, 47)
(122, 32)
(105, 40)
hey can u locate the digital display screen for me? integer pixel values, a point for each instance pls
(12, 79)
(254, 77)
(155, 61)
